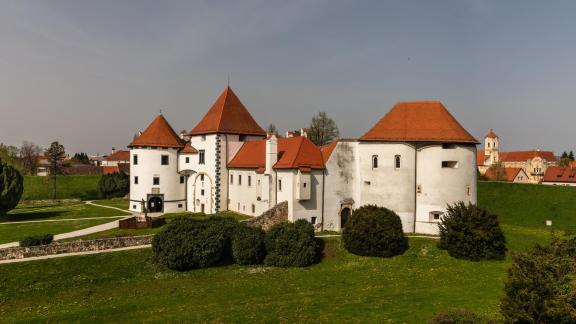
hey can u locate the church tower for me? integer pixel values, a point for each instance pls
(491, 147)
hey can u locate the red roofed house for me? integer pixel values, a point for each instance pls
(415, 161)
(560, 176)
(534, 163)
(515, 175)
(116, 157)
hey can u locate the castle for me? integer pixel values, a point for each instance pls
(415, 161)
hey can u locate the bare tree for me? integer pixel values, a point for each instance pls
(271, 129)
(29, 154)
(55, 155)
(323, 129)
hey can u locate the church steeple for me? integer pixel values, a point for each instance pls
(491, 147)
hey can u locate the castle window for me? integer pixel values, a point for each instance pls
(164, 160)
(313, 220)
(201, 157)
(231, 179)
(156, 181)
(202, 192)
(187, 160)
(249, 181)
(279, 184)
(435, 216)
(202, 177)
(181, 179)
(239, 179)
(397, 161)
(253, 208)
(136, 180)
(135, 159)
(450, 164)
(488, 144)
(374, 161)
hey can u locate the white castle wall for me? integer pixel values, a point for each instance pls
(243, 196)
(149, 166)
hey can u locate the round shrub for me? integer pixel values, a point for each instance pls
(541, 285)
(114, 185)
(186, 244)
(290, 245)
(11, 188)
(374, 231)
(459, 316)
(472, 233)
(248, 245)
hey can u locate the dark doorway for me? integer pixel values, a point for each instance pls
(155, 204)
(344, 216)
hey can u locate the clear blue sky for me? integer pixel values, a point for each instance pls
(92, 73)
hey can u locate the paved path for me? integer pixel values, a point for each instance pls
(53, 256)
(58, 220)
(409, 236)
(85, 231)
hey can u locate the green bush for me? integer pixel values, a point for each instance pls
(459, 316)
(472, 233)
(290, 245)
(11, 187)
(114, 185)
(541, 285)
(374, 231)
(37, 240)
(186, 244)
(248, 245)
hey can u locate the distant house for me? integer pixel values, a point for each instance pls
(560, 176)
(43, 166)
(515, 175)
(116, 158)
(534, 163)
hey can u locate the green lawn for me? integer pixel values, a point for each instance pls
(49, 218)
(128, 286)
(82, 187)
(116, 202)
(530, 205)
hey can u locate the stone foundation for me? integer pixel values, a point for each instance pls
(276, 215)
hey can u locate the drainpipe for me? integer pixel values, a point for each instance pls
(227, 176)
(415, 185)
(323, 194)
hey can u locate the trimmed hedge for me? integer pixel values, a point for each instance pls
(374, 231)
(472, 233)
(291, 245)
(11, 188)
(248, 245)
(37, 240)
(186, 243)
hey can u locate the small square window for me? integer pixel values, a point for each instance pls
(136, 180)
(436, 216)
(181, 179)
(133, 206)
(187, 160)
(304, 184)
(164, 160)
(450, 164)
(313, 220)
(202, 192)
(156, 181)
(179, 205)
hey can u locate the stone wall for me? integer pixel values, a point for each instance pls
(275, 215)
(76, 246)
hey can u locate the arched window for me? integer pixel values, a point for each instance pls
(374, 161)
(397, 161)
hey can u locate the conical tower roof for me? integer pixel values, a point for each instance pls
(160, 134)
(228, 116)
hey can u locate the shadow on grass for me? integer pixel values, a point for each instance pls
(22, 217)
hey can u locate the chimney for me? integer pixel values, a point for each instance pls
(113, 150)
(271, 153)
(303, 132)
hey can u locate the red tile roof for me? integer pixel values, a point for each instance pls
(509, 174)
(327, 150)
(159, 133)
(560, 174)
(491, 134)
(522, 156)
(119, 156)
(229, 116)
(110, 169)
(480, 158)
(293, 153)
(425, 121)
(189, 149)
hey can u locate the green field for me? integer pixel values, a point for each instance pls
(67, 187)
(52, 218)
(128, 286)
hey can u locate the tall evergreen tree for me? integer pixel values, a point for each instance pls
(55, 155)
(571, 156)
(323, 129)
(271, 129)
(11, 188)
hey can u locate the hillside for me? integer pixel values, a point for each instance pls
(82, 187)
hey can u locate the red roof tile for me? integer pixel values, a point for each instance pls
(159, 133)
(425, 121)
(119, 156)
(560, 174)
(327, 150)
(229, 116)
(509, 174)
(110, 169)
(522, 156)
(189, 149)
(491, 134)
(293, 153)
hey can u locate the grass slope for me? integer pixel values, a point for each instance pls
(82, 187)
(530, 205)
